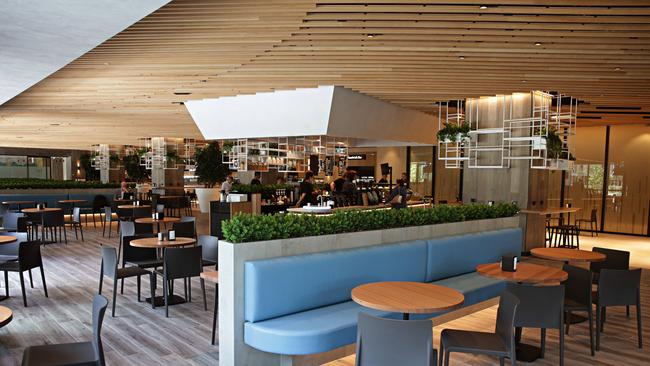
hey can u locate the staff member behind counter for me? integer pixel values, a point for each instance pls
(398, 196)
(306, 191)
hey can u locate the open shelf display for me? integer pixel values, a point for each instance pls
(289, 154)
(487, 148)
(452, 149)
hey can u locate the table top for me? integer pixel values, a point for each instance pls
(5, 316)
(526, 273)
(155, 243)
(407, 297)
(6, 239)
(129, 207)
(568, 255)
(17, 202)
(166, 197)
(551, 210)
(72, 201)
(164, 220)
(35, 210)
(210, 276)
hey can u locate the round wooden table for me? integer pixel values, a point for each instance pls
(165, 220)
(407, 297)
(6, 239)
(155, 243)
(73, 202)
(131, 207)
(42, 210)
(6, 315)
(528, 273)
(568, 255)
(18, 203)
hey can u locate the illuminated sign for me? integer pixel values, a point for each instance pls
(357, 157)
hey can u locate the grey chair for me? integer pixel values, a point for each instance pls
(108, 221)
(75, 223)
(577, 297)
(54, 224)
(501, 343)
(29, 257)
(109, 269)
(81, 353)
(616, 259)
(618, 287)
(210, 250)
(179, 263)
(540, 307)
(388, 342)
(10, 220)
(184, 229)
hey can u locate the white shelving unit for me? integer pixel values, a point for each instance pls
(487, 148)
(453, 153)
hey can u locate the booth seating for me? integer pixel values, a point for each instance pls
(301, 304)
(52, 200)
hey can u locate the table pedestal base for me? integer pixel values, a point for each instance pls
(160, 300)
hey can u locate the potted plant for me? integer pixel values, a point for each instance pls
(134, 170)
(452, 133)
(211, 171)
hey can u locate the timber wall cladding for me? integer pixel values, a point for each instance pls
(407, 52)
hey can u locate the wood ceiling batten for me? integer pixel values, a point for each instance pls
(407, 52)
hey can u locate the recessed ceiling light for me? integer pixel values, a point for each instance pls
(55, 124)
(483, 7)
(370, 35)
(461, 57)
(524, 81)
(538, 43)
(617, 69)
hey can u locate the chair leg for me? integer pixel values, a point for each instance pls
(214, 315)
(638, 323)
(502, 361)
(205, 300)
(598, 321)
(627, 310)
(561, 347)
(114, 296)
(152, 283)
(166, 294)
(22, 287)
(185, 290)
(446, 358)
(101, 279)
(542, 346)
(81, 230)
(603, 320)
(76, 235)
(31, 281)
(591, 330)
(43, 279)
(139, 288)
(6, 284)
(65, 235)
(567, 316)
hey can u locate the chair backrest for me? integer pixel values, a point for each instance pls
(185, 229)
(21, 224)
(616, 259)
(10, 220)
(99, 202)
(12, 248)
(133, 254)
(389, 342)
(53, 218)
(210, 247)
(76, 215)
(100, 303)
(594, 215)
(619, 286)
(539, 306)
(127, 228)
(578, 285)
(506, 314)
(188, 219)
(35, 217)
(109, 262)
(108, 213)
(140, 212)
(29, 255)
(141, 228)
(182, 262)
(124, 213)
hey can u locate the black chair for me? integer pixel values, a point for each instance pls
(108, 221)
(140, 257)
(141, 212)
(23, 225)
(210, 250)
(29, 257)
(99, 202)
(539, 307)
(388, 342)
(577, 297)
(618, 287)
(81, 353)
(501, 343)
(54, 224)
(592, 221)
(110, 270)
(75, 223)
(184, 229)
(124, 214)
(186, 205)
(616, 259)
(179, 263)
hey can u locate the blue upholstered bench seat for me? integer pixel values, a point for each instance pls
(311, 331)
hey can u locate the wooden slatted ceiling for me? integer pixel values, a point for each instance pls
(407, 52)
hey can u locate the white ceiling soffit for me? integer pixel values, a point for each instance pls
(38, 37)
(326, 110)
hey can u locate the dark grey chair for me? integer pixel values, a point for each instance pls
(109, 269)
(540, 307)
(388, 342)
(141, 212)
(179, 263)
(501, 343)
(210, 250)
(127, 228)
(616, 259)
(618, 287)
(138, 257)
(10, 220)
(54, 223)
(75, 223)
(29, 257)
(577, 297)
(184, 229)
(108, 221)
(592, 221)
(143, 229)
(81, 353)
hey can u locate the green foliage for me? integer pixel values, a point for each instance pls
(32, 183)
(554, 145)
(267, 190)
(133, 169)
(85, 160)
(247, 228)
(450, 132)
(210, 169)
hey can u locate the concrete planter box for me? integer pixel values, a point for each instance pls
(232, 349)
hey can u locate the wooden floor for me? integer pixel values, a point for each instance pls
(618, 342)
(138, 335)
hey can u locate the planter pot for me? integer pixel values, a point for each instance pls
(539, 143)
(459, 139)
(205, 195)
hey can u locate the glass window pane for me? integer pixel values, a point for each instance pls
(628, 185)
(13, 166)
(421, 170)
(39, 167)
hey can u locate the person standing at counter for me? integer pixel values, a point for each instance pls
(306, 191)
(256, 179)
(398, 196)
(226, 186)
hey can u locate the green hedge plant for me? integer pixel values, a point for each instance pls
(248, 228)
(32, 183)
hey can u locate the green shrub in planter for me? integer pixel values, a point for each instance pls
(248, 228)
(33, 183)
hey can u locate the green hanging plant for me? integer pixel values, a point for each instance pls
(554, 145)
